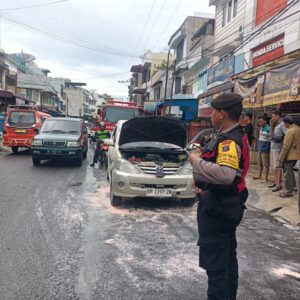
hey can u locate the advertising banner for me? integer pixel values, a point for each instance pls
(221, 71)
(282, 84)
(251, 89)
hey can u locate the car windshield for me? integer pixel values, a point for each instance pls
(114, 114)
(61, 126)
(21, 118)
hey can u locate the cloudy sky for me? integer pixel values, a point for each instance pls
(92, 41)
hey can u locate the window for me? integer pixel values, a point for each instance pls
(157, 93)
(177, 85)
(224, 16)
(229, 11)
(235, 7)
(179, 51)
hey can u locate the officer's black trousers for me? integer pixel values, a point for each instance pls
(217, 241)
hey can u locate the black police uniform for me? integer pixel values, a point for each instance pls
(220, 211)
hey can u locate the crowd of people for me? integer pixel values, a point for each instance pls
(278, 146)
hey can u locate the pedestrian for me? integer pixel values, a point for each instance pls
(289, 154)
(247, 119)
(277, 135)
(263, 148)
(219, 171)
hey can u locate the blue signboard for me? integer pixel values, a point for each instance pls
(221, 71)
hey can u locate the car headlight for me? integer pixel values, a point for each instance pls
(187, 169)
(37, 143)
(125, 166)
(73, 144)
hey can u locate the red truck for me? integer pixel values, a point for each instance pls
(113, 111)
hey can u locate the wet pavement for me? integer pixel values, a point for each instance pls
(61, 239)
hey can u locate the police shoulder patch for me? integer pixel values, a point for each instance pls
(228, 154)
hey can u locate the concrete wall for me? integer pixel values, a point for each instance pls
(289, 25)
(75, 101)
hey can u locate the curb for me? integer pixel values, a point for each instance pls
(285, 210)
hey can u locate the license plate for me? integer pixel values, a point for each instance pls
(153, 192)
(20, 131)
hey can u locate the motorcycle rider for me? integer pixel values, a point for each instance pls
(101, 134)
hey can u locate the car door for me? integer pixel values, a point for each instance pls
(111, 151)
(84, 136)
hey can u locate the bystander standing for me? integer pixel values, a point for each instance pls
(289, 155)
(277, 135)
(247, 118)
(263, 148)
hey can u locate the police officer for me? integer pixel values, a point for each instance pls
(219, 171)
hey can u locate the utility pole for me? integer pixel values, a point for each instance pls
(173, 80)
(67, 107)
(166, 85)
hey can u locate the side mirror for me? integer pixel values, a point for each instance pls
(36, 130)
(109, 142)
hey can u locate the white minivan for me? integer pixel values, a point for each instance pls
(147, 158)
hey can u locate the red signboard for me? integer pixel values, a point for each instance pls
(267, 51)
(265, 9)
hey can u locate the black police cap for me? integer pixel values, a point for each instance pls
(226, 100)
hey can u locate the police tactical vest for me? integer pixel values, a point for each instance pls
(210, 153)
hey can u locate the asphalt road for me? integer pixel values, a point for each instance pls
(61, 239)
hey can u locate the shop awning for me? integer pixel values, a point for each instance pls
(6, 94)
(180, 102)
(216, 90)
(139, 91)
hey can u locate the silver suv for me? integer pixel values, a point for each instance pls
(146, 158)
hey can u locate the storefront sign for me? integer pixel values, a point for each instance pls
(282, 84)
(221, 71)
(204, 103)
(251, 89)
(268, 51)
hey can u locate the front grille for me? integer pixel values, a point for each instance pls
(54, 143)
(152, 170)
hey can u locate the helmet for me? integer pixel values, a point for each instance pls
(102, 124)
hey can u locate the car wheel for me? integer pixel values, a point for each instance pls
(84, 155)
(188, 201)
(114, 200)
(15, 149)
(79, 160)
(36, 161)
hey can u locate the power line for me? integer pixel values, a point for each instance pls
(33, 6)
(70, 40)
(168, 23)
(145, 26)
(154, 24)
(250, 36)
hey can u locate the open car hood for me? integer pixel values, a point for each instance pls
(154, 129)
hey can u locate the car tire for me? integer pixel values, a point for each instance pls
(15, 149)
(114, 200)
(188, 201)
(36, 161)
(79, 160)
(84, 155)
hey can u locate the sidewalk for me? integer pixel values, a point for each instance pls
(261, 197)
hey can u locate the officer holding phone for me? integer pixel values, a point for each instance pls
(219, 171)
